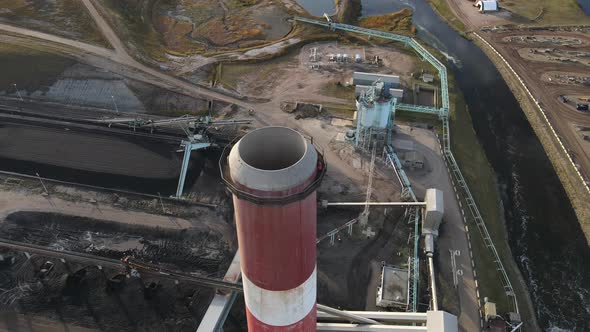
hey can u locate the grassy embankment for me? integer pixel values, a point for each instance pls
(444, 11)
(132, 21)
(564, 169)
(545, 13)
(481, 179)
(67, 18)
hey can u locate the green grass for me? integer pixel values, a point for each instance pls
(482, 182)
(443, 10)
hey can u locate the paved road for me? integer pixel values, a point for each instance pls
(453, 235)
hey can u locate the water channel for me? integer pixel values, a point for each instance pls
(544, 234)
(585, 5)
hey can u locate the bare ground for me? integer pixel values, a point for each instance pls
(562, 116)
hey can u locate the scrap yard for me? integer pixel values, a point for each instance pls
(253, 165)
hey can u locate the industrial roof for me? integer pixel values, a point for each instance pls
(488, 5)
(361, 78)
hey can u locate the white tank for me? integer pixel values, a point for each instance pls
(376, 116)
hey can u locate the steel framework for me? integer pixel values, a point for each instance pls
(443, 114)
(408, 41)
(413, 216)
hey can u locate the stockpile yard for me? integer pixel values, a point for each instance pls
(107, 298)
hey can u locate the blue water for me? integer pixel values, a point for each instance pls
(318, 7)
(585, 4)
(379, 7)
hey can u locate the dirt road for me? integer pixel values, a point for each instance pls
(106, 30)
(561, 115)
(12, 202)
(82, 51)
(13, 321)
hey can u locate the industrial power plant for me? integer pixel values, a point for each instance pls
(243, 167)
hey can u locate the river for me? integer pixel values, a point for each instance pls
(585, 5)
(544, 234)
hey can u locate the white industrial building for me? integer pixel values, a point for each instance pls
(360, 78)
(395, 93)
(487, 6)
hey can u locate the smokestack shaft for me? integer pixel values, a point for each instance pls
(274, 172)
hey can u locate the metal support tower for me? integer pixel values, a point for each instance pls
(189, 146)
(413, 216)
(364, 216)
(443, 114)
(367, 136)
(370, 183)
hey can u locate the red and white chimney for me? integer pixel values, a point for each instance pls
(273, 174)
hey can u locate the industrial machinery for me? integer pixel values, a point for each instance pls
(443, 114)
(194, 127)
(375, 114)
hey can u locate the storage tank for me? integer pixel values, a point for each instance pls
(358, 58)
(345, 58)
(339, 57)
(375, 115)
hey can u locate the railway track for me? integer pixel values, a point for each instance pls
(126, 263)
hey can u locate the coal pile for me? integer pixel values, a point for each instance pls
(101, 298)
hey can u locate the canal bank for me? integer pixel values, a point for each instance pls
(543, 231)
